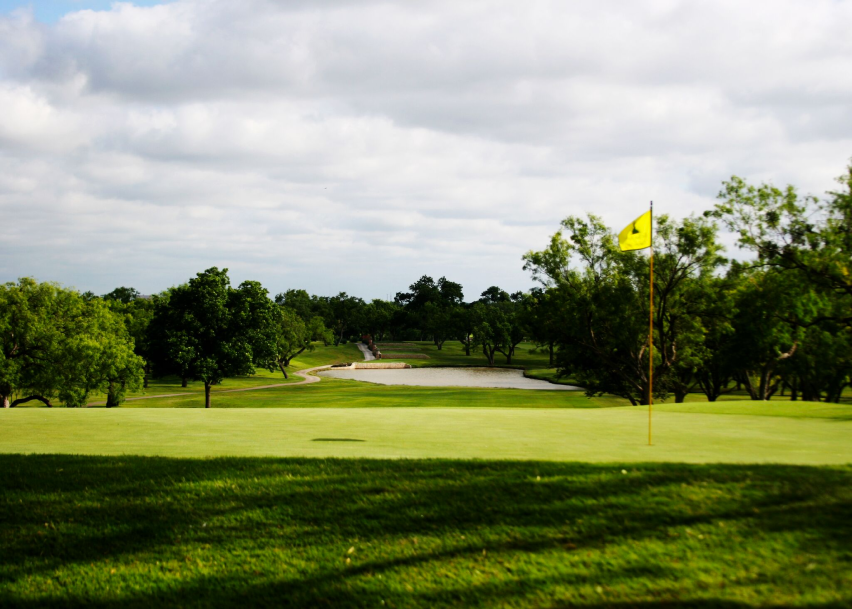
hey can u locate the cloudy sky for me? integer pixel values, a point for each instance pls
(356, 145)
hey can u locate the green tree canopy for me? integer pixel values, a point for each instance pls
(55, 343)
(605, 296)
(210, 330)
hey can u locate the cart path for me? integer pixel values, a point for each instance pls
(368, 355)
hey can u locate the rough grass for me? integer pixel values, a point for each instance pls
(139, 532)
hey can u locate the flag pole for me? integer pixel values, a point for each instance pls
(651, 335)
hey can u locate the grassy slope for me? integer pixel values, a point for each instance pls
(568, 434)
(321, 356)
(134, 532)
(452, 354)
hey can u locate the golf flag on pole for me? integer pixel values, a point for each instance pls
(637, 235)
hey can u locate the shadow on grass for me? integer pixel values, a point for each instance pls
(337, 440)
(134, 531)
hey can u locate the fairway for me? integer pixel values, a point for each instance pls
(559, 434)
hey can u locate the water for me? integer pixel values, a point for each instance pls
(503, 378)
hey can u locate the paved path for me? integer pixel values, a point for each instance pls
(368, 356)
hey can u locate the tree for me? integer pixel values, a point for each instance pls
(802, 235)
(761, 341)
(346, 315)
(440, 297)
(212, 331)
(123, 295)
(379, 318)
(687, 257)
(98, 355)
(318, 332)
(292, 337)
(54, 343)
(463, 323)
(137, 313)
(438, 322)
(605, 319)
(298, 301)
(715, 368)
(542, 308)
(515, 316)
(494, 295)
(804, 253)
(491, 330)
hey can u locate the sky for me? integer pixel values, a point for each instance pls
(355, 145)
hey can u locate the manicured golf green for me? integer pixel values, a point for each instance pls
(135, 532)
(560, 434)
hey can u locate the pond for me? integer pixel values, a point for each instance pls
(503, 378)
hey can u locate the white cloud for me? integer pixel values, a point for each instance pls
(357, 145)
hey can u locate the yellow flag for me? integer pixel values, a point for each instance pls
(637, 235)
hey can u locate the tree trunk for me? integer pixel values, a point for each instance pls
(467, 345)
(489, 355)
(41, 399)
(147, 374)
(6, 403)
(746, 380)
(550, 348)
(283, 370)
(111, 401)
(183, 381)
(206, 394)
(794, 390)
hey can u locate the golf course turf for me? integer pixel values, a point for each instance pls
(349, 494)
(141, 532)
(561, 434)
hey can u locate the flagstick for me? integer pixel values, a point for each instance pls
(651, 335)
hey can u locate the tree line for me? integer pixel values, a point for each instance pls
(780, 323)
(59, 344)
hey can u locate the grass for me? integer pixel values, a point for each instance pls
(736, 505)
(567, 434)
(331, 392)
(110, 532)
(452, 354)
(338, 393)
(321, 356)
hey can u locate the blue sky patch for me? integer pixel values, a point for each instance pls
(50, 11)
